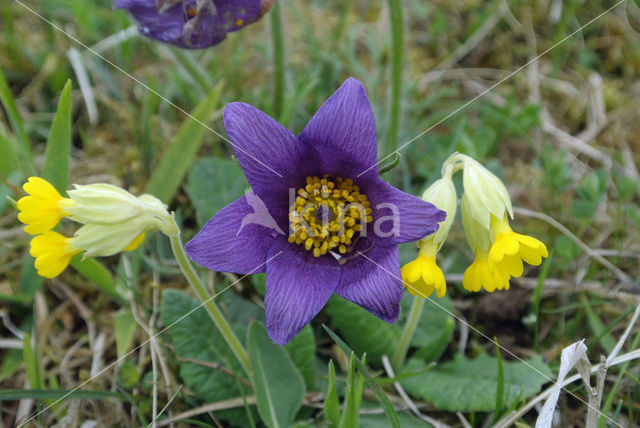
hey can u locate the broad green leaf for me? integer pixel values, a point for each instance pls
(124, 329)
(58, 151)
(278, 385)
(196, 337)
(362, 331)
(40, 394)
(96, 273)
(331, 404)
(31, 363)
(178, 157)
(302, 350)
(471, 385)
(224, 175)
(370, 382)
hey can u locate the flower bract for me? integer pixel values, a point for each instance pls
(193, 23)
(343, 224)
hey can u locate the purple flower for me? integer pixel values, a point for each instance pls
(193, 23)
(343, 226)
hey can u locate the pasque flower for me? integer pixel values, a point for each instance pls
(193, 23)
(113, 221)
(344, 226)
(422, 276)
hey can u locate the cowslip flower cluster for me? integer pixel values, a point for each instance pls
(113, 220)
(193, 24)
(485, 207)
(344, 223)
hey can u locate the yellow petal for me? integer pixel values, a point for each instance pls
(135, 243)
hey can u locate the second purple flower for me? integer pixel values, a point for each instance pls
(193, 23)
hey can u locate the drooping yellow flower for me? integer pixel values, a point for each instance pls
(53, 253)
(422, 276)
(509, 249)
(43, 207)
(478, 275)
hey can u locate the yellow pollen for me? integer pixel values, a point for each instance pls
(192, 12)
(239, 22)
(327, 213)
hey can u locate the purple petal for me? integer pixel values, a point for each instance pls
(236, 239)
(296, 290)
(374, 282)
(399, 217)
(344, 131)
(272, 158)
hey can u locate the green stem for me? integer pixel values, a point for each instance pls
(407, 333)
(278, 60)
(215, 313)
(397, 52)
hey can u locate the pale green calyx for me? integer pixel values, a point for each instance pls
(486, 194)
(104, 208)
(477, 235)
(442, 194)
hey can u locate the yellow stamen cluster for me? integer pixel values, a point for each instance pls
(327, 213)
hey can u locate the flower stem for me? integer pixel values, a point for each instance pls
(216, 315)
(397, 52)
(278, 60)
(407, 333)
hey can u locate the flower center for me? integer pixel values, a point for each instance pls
(327, 213)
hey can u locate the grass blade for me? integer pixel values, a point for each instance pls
(56, 160)
(176, 160)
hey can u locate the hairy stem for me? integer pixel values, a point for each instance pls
(216, 315)
(407, 333)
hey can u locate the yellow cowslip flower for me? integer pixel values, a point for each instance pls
(113, 220)
(53, 253)
(478, 275)
(43, 207)
(422, 276)
(499, 251)
(509, 249)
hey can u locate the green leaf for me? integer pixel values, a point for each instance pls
(40, 394)
(364, 332)
(195, 337)
(30, 281)
(471, 385)
(58, 151)
(350, 410)
(31, 363)
(97, 274)
(380, 421)
(129, 375)
(331, 404)
(176, 160)
(370, 382)
(24, 147)
(302, 350)
(124, 329)
(278, 384)
(11, 362)
(229, 180)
